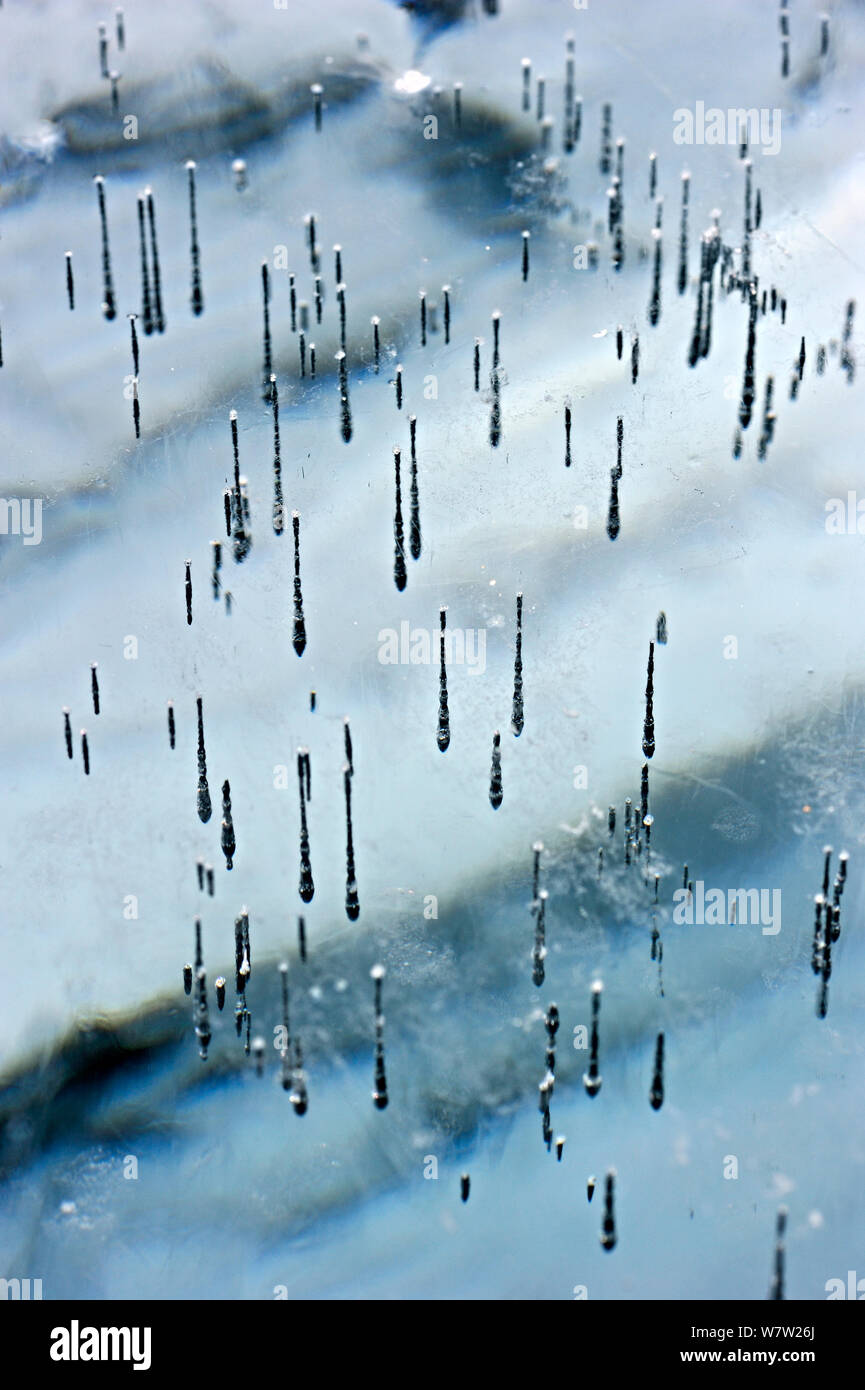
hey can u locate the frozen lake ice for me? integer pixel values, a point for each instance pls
(757, 696)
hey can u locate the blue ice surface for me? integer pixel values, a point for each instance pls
(235, 1195)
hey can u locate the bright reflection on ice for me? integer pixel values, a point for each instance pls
(411, 82)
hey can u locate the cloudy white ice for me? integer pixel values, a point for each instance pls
(759, 755)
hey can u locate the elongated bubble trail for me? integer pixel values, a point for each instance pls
(443, 734)
(399, 567)
(352, 903)
(298, 640)
(240, 512)
(158, 315)
(204, 806)
(537, 851)
(109, 309)
(278, 503)
(654, 311)
(517, 707)
(649, 721)
(228, 840)
(202, 1016)
(146, 303)
(656, 1095)
(613, 522)
(349, 758)
(608, 1229)
(298, 1097)
(345, 408)
(592, 1079)
(379, 1095)
(414, 525)
(376, 343)
(539, 950)
(496, 792)
(215, 581)
(605, 163)
(306, 886)
(776, 1288)
(196, 298)
(134, 340)
(285, 1051)
(496, 388)
(683, 235)
(746, 403)
(266, 345)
